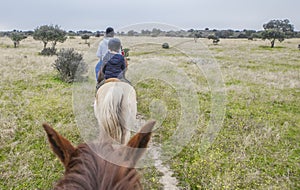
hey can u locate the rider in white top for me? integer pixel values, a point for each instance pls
(103, 48)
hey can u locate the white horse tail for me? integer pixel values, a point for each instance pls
(109, 111)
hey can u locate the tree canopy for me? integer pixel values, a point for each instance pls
(277, 30)
(16, 37)
(49, 33)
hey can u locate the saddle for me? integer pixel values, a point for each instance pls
(99, 84)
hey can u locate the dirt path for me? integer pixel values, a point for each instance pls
(167, 180)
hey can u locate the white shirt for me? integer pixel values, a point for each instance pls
(103, 48)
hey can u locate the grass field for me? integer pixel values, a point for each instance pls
(257, 147)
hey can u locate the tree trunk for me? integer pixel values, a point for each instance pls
(45, 44)
(53, 45)
(272, 43)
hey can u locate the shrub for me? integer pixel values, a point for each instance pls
(126, 52)
(165, 46)
(214, 38)
(48, 51)
(70, 65)
(97, 35)
(216, 41)
(85, 37)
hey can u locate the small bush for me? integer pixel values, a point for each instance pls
(85, 37)
(70, 65)
(98, 34)
(216, 41)
(214, 38)
(126, 52)
(165, 46)
(48, 51)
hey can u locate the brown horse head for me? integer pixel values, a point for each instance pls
(84, 169)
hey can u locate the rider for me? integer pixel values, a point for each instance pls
(114, 63)
(103, 48)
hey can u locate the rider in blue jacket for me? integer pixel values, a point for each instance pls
(113, 63)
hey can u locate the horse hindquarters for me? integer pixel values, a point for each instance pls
(107, 112)
(115, 110)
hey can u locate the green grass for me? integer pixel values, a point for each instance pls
(150, 178)
(257, 146)
(26, 159)
(148, 92)
(270, 48)
(6, 46)
(253, 150)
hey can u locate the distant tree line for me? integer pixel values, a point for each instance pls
(273, 30)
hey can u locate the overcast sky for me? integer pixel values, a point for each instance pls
(186, 14)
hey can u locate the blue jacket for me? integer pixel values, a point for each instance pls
(113, 65)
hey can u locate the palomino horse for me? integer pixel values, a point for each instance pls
(84, 169)
(115, 109)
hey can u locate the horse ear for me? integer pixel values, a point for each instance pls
(140, 141)
(60, 146)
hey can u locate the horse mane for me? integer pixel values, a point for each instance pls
(85, 169)
(82, 170)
